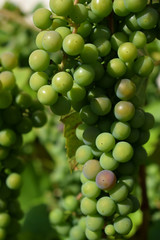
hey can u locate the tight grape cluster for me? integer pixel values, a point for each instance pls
(91, 58)
(18, 114)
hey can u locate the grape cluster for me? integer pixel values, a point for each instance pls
(91, 58)
(18, 114)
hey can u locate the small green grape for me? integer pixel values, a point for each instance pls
(14, 181)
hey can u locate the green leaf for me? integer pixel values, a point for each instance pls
(71, 121)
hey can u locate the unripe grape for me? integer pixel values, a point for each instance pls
(106, 206)
(47, 95)
(39, 60)
(91, 168)
(76, 233)
(123, 151)
(88, 206)
(105, 142)
(116, 67)
(125, 89)
(14, 181)
(127, 52)
(56, 216)
(123, 225)
(62, 82)
(124, 111)
(70, 203)
(90, 189)
(119, 192)
(41, 18)
(61, 8)
(73, 44)
(62, 106)
(52, 41)
(101, 8)
(94, 223)
(8, 60)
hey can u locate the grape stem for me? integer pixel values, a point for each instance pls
(143, 231)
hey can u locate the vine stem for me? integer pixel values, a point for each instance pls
(143, 231)
(76, 1)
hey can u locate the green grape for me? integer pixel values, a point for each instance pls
(79, 13)
(83, 179)
(87, 115)
(39, 118)
(129, 181)
(122, 225)
(84, 29)
(63, 229)
(126, 168)
(61, 8)
(119, 192)
(125, 28)
(135, 202)
(143, 66)
(82, 223)
(37, 80)
(88, 206)
(58, 22)
(96, 152)
(103, 46)
(101, 105)
(101, 8)
(93, 18)
(106, 179)
(84, 75)
(83, 154)
(5, 99)
(70, 203)
(14, 181)
(39, 60)
(23, 100)
(25, 125)
(12, 115)
(148, 121)
(62, 106)
(109, 230)
(122, 152)
(8, 60)
(100, 31)
(134, 135)
(148, 18)
(2, 234)
(7, 137)
(91, 168)
(107, 162)
(125, 89)
(89, 53)
(105, 142)
(106, 206)
(131, 22)
(92, 235)
(4, 220)
(127, 52)
(138, 118)
(95, 92)
(135, 5)
(94, 222)
(62, 82)
(77, 93)
(106, 82)
(63, 31)
(41, 18)
(117, 39)
(138, 38)
(90, 189)
(76, 233)
(116, 67)
(99, 70)
(47, 95)
(73, 44)
(57, 57)
(39, 39)
(120, 130)
(7, 80)
(80, 130)
(143, 137)
(124, 111)
(119, 8)
(125, 207)
(52, 41)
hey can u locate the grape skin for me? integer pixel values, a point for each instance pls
(106, 179)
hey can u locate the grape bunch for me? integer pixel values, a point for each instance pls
(18, 114)
(92, 59)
